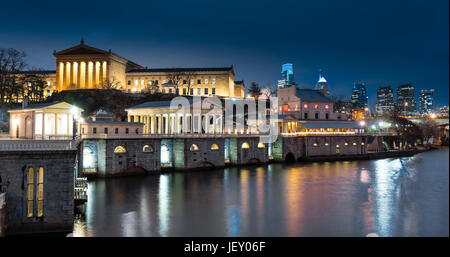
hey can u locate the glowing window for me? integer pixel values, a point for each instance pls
(120, 149)
(305, 106)
(345, 143)
(315, 144)
(40, 192)
(245, 145)
(354, 143)
(337, 146)
(147, 149)
(362, 143)
(326, 144)
(193, 147)
(326, 106)
(214, 147)
(261, 145)
(316, 106)
(30, 191)
(285, 108)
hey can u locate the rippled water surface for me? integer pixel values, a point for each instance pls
(346, 198)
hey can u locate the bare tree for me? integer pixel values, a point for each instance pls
(189, 77)
(12, 62)
(268, 91)
(111, 84)
(176, 78)
(151, 87)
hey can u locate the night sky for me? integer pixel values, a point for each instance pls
(377, 42)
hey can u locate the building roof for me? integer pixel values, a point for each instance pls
(311, 95)
(155, 104)
(114, 122)
(46, 72)
(36, 106)
(43, 105)
(330, 124)
(181, 69)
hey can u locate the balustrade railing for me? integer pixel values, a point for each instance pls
(39, 145)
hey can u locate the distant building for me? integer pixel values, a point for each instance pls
(443, 111)
(385, 100)
(359, 96)
(307, 104)
(287, 75)
(406, 103)
(43, 121)
(426, 101)
(84, 67)
(322, 86)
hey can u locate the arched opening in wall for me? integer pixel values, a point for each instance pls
(261, 145)
(193, 148)
(290, 158)
(165, 154)
(254, 161)
(214, 147)
(245, 145)
(28, 128)
(147, 149)
(120, 149)
(88, 157)
(206, 164)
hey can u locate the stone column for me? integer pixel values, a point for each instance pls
(63, 87)
(86, 74)
(78, 75)
(94, 74)
(43, 124)
(100, 83)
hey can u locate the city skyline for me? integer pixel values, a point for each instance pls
(378, 57)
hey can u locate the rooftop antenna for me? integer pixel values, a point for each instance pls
(82, 41)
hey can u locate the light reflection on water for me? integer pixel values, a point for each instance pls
(347, 198)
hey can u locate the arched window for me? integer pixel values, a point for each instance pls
(30, 191)
(193, 147)
(261, 145)
(120, 149)
(346, 143)
(214, 147)
(245, 145)
(315, 144)
(147, 149)
(40, 192)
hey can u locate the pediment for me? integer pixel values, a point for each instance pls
(81, 49)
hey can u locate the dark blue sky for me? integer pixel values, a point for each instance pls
(377, 42)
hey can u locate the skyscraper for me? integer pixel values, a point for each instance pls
(426, 101)
(322, 86)
(406, 103)
(287, 75)
(385, 100)
(359, 96)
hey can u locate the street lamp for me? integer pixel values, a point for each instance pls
(74, 112)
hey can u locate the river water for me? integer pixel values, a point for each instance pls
(344, 198)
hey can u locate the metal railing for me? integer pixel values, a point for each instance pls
(80, 190)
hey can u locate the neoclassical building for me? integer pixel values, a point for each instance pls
(87, 67)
